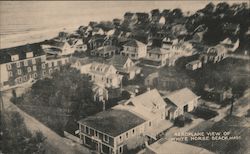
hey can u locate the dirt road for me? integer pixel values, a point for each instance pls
(55, 144)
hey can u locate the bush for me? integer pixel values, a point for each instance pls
(182, 120)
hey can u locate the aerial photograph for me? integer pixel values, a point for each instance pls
(125, 77)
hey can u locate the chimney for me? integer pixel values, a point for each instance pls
(148, 89)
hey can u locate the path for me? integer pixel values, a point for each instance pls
(59, 144)
(236, 56)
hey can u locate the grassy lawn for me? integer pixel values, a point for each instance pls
(238, 126)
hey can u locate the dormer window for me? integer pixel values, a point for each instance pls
(14, 57)
(29, 54)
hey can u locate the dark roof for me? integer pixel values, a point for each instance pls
(113, 122)
(134, 43)
(21, 51)
(56, 43)
(118, 61)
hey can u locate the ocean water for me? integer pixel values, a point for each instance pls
(23, 22)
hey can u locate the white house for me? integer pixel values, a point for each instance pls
(230, 45)
(125, 66)
(60, 48)
(104, 74)
(179, 102)
(158, 57)
(193, 65)
(134, 49)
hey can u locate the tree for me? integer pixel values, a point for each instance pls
(17, 138)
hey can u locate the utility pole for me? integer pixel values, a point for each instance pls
(232, 105)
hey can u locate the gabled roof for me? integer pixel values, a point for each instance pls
(113, 122)
(150, 100)
(56, 43)
(134, 43)
(118, 61)
(145, 105)
(21, 51)
(181, 97)
(100, 67)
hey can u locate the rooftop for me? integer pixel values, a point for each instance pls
(181, 97)
(134, 43)
(113, 122)
(21, 51)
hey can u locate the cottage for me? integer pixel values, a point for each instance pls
(57, 47)
(125, 66)
(216, 53)
(218, 94)
(193, 65)
(96, 41)
(157, 57)
(104, 74)
(134, 49)
(179, 102)
(78, 44)
(149, 106)
(104, 51)
(97, 31)
(230, 45)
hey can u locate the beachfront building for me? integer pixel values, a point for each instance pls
(54, 64)
(179, 102)
(21, 65)
(58, 47)
(134, 49)
(125, 66)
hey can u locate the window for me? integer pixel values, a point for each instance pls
(96, 134)
(44, 73)
(43, 59)
(8, 66)
(50, 71)
(43, 65)
(133, 131)
(35, 75)
(87, 130)
(19, 72)
(18, 64)
(55, 63)
(149, 54)
(34, 68)
(50, 64)
(10, 74)
(25, 78)
(149, 124)
(105, 138)
(120, 149)
(120, 138)
(29, 69)
(126, 135)
(25, 63)
(33, 61)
